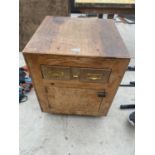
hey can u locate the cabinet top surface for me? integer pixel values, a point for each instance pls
(88, 37)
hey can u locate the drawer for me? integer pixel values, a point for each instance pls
(71, 73)
(90, 75)
(94, 75)
(55, 73)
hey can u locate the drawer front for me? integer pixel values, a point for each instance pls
(72, 73)
(94, 75)
(55, 73)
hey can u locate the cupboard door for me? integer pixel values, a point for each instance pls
(74, 100)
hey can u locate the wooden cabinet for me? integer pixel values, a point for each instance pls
(76, 65)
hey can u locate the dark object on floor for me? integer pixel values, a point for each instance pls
(110, 16)
(25, 83)
(131, 84)
(131, 118)
(127, 18)
(131, 68)
(100, 15)
(127, 106)
(22, 97)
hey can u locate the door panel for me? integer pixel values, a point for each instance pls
(74, 100)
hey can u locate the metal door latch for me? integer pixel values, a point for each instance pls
(101, 94)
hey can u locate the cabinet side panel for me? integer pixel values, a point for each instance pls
(34, 67)
(117, 74)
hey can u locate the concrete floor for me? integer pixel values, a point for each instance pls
(47, 134)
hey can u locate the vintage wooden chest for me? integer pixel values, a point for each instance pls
(76, 64)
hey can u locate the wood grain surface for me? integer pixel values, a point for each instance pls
(77, 37)
(54, 58)
(43, 86)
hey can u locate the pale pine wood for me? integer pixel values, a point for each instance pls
(67, 95)
(87, 103)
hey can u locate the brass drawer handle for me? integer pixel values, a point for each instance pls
(56, 73)
(94, 76)
(75, 76)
